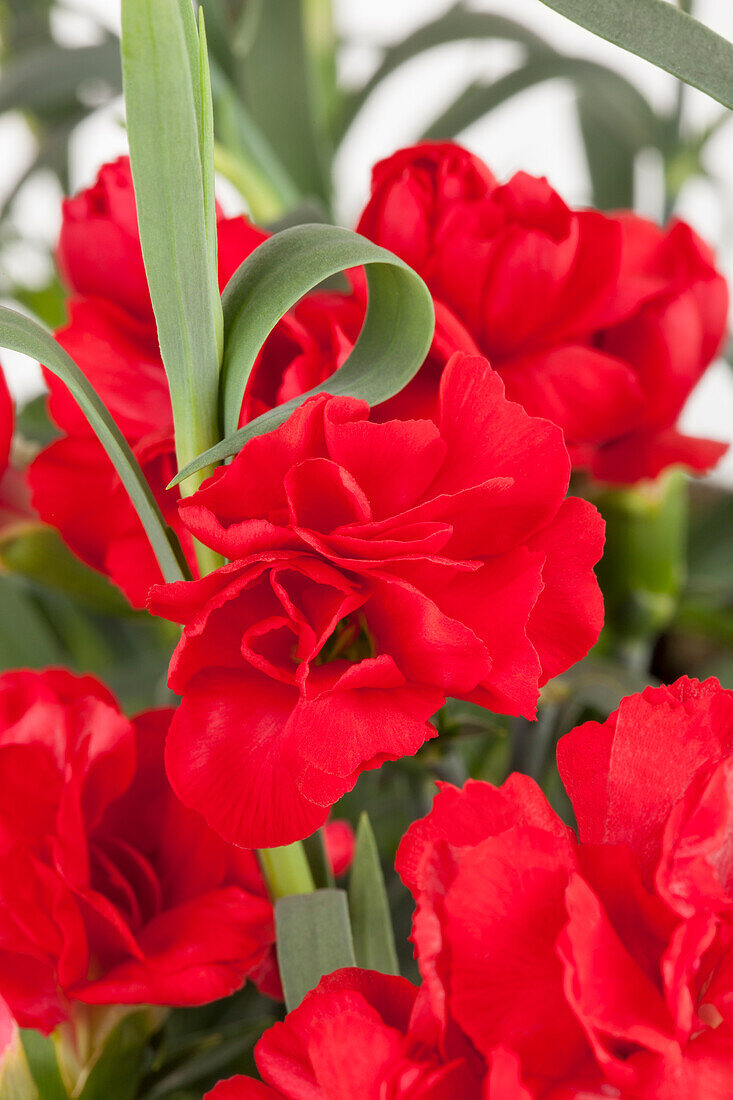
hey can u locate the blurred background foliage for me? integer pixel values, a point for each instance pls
(281, 116)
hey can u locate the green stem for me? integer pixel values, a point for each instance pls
(319, 33)
(287, 870)
(187, 448)
(265, 203)
(643, 569)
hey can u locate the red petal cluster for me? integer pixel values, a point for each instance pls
(111, 335)
(359, 1035)
(601, 324)
(602, 968)
(376, 568)
(111, 891)
(15, 508)
(554, 967)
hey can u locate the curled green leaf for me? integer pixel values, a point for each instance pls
(392, 345)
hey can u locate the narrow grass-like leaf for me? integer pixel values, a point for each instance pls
(280, 97)
(16, 1082)
(317, 856)
(246, 158)
(392, 345)
(41, 1056)
(19, 333)
(47, 79)
(661, 33)
(208, 175)
(456, 25)
(371, 923)
(119, 1068)
(313, 939)
(627, 111)
(162, 71)
(37, 643)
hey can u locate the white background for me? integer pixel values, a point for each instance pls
(536, 131)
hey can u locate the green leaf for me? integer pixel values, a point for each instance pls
(20, 334)
(162, 70)
(216, 1059)
(118, 1070)
(317, 856)
(47, 80)
(611, 157)
(16, 1081)
(245, 157)
(456, 25)
(628, 113)
(374, 945)
(206, 141)
(41, 1055)
(313, 939)
(281, 85)
(391, 348)
(47, 303)
(31, 641)
(40, 555)
(663, 34)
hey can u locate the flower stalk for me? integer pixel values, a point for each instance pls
(287, 870)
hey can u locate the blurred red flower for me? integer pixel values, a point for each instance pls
(376, 568)
(16, 512)
(601, 324)
(604, 967)
(112, 336)
(111, 892)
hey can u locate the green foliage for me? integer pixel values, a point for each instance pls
(313, 939)
(23, 335)
(41, 1055)
(171, 150)
(392, 345)
(663, 34)
(16, 1082)
(371, 923)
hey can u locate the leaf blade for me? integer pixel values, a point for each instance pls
(456, 25)
(628, 112)
(660, 33)
(19, 333)
(313, 939)
(374, 944)
(161, 66)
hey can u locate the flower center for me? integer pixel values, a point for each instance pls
(127, 879)
(351, 641)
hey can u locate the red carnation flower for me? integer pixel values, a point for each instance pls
(605, 967)
(376, 568)
(111, 892)
(601, 324)
(112, 336)
(358, 1035)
